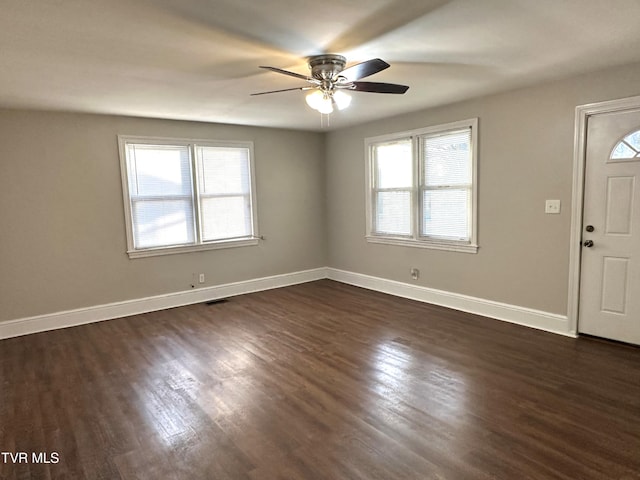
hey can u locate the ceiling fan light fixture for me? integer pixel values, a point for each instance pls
(326, 106)
(342, 99)
(320, 101)
(329, 78)
(314, 99)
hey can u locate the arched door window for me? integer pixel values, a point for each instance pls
(628, 148)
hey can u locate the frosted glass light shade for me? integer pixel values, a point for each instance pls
(314, 99)
(342, 99)
(320, 101)
(326, 105)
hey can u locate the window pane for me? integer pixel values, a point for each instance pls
(445, 213)
(447, 159)
(159, 170)
(393, 213)
(162, 223)
(225, 217)
(224, 170)
(393, 165)
(633, 140)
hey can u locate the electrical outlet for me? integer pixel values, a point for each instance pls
(201, 278)
(415, 273)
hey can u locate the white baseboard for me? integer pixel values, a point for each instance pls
(549, 322)
(70, 318)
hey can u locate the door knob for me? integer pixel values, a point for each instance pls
(588, 243)
(589, 228)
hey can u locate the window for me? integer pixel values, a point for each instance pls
(628, 148)
(421, 187)
(183, 195)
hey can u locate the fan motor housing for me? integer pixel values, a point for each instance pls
(326, 67)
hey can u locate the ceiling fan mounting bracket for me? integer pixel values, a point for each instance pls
(327, 66)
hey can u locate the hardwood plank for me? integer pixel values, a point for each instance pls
(318, 381)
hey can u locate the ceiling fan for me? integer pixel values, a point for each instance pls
(329, 80)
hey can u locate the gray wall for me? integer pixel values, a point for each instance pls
(62, 234)
(525, 156)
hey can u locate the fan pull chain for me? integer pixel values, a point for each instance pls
(324, 116)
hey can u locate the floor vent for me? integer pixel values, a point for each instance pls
(216, 301)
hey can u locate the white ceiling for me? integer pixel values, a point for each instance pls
(198, 59)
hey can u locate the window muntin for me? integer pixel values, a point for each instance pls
(422, 188)
(183, 195)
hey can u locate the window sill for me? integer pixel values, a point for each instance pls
(408, 242)
(152, 252)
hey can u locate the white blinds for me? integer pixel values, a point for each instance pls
(445, 213)
(188, 194)
(447, 159)
(446, 185)
(393, 213)
(425, 180)
(160, 190)
(225, 192)
(393, 185)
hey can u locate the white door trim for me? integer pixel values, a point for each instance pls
(583, 112)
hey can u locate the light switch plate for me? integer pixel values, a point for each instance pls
(552, 206)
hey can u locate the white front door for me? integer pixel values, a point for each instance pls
(610, 270)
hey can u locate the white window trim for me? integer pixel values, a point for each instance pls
(415, 240)
(123, 140)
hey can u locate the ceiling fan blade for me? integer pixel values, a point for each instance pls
(377, 87)
(283, 90)
(287, 72)
(364, 69)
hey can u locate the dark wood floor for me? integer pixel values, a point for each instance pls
(318, 381)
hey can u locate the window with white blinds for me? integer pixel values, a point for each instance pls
(422, 187)
(393, 187)
(183, 195)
